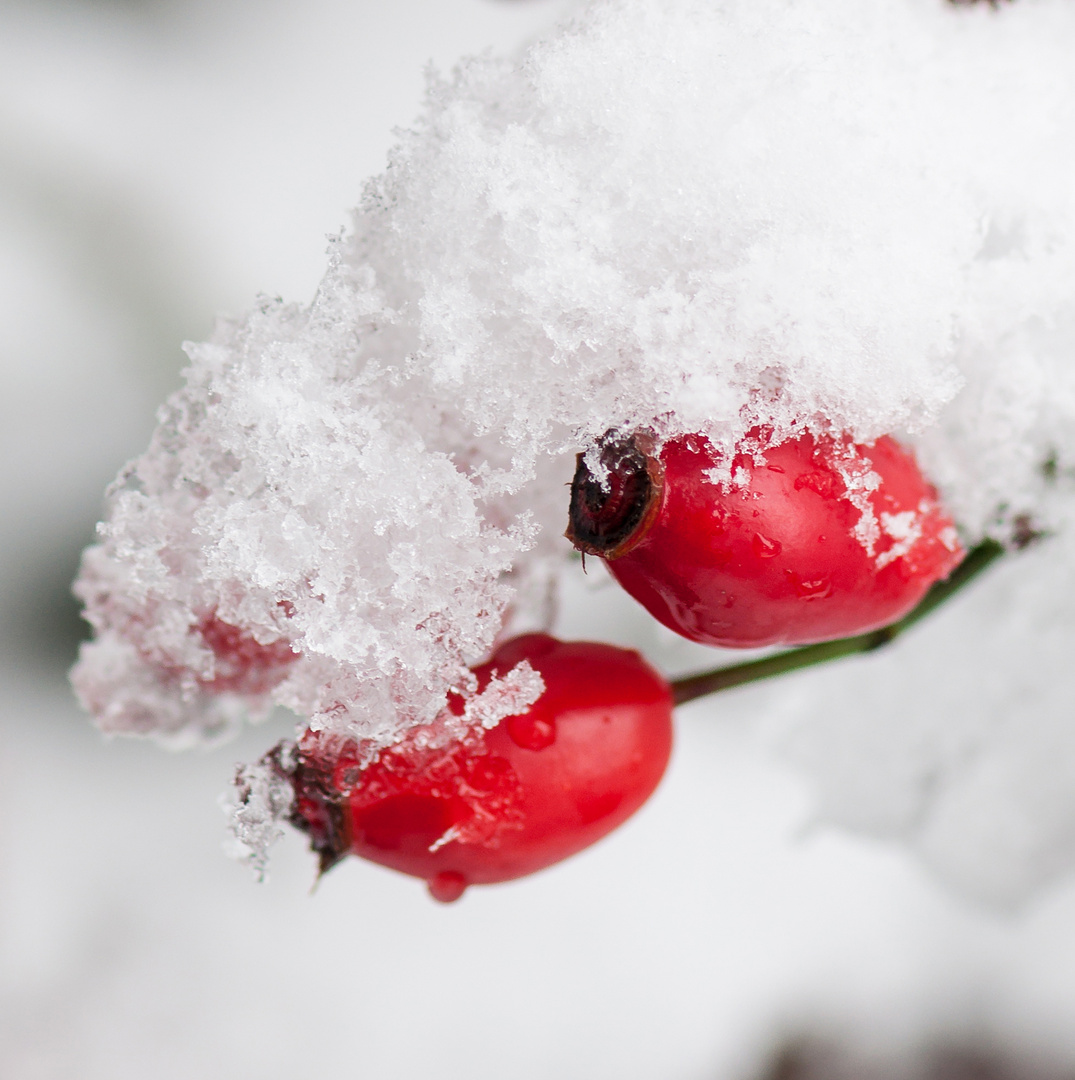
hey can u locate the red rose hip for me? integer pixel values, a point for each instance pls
(502, 803)
(819, 539)
(242, 664)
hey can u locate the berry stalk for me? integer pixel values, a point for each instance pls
(710, 682)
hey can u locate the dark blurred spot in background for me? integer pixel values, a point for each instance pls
(807, 1058)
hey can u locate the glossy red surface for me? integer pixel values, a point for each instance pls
(537, 788)
(777, 560)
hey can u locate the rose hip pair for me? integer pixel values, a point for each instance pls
(812, 540)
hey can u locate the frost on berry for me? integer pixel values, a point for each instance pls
(840, 218)
(504, 695)
(241, 664)
(259, 799)
(428, 789)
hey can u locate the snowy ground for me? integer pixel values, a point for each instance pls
(160, 162)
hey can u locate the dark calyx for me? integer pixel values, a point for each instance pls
(609, 517)
(316, 807)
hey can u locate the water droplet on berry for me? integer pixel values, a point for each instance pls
(764, 548)
(532, 732)
(815, 589)
(447, 886)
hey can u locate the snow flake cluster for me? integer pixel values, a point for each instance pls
(687, 215)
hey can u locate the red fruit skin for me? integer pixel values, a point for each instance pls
(535, 789)
(775, 560)
(243, 665)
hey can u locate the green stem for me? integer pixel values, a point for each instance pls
(710, 682)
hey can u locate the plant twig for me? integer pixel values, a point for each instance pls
(710, 682)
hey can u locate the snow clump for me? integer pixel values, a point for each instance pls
(686, 215)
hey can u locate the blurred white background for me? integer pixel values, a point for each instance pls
(163, 160)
